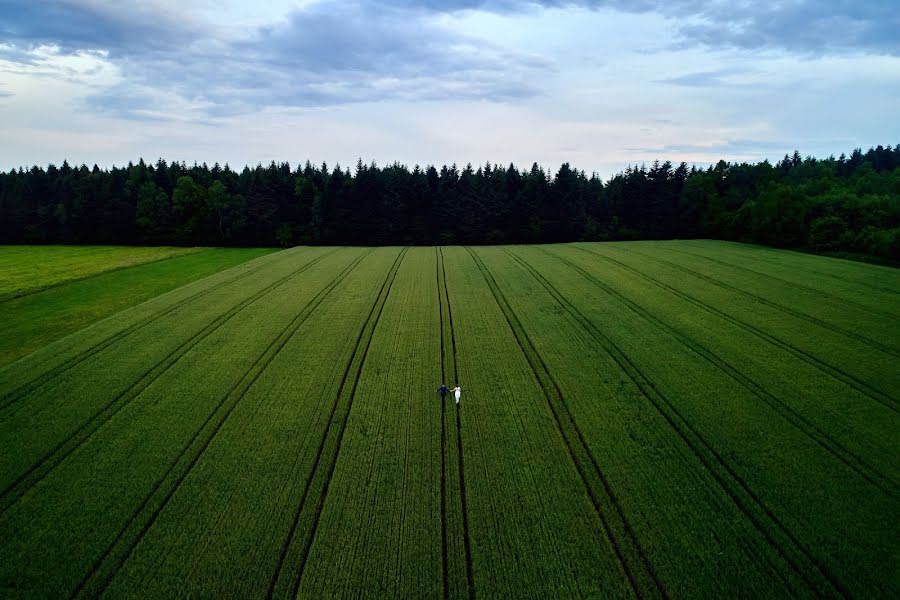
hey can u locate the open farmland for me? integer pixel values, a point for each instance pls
(28, 269)
(48, 292)
(644, 419)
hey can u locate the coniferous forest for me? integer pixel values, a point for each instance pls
(836, 205)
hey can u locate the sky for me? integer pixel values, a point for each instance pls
(600, 84)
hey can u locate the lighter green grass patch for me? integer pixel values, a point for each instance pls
(32, 321)
(27, 269)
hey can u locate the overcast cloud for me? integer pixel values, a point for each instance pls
(598, 83)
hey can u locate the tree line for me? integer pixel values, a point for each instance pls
(846, 204)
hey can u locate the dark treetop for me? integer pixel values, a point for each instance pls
(848, 204)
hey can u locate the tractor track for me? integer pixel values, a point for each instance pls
(329, 475)
(765, 301)
(96, 581)
(467, 540)
(811, 360)
(378, 427)
(444, 559)
(767, 251)
(801, 561)
(26, 389)
(640, 568)
(589, 327)
(50, 460)
(785, 282)
(821, 438)
(361, 340)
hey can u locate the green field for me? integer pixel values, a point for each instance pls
(51, 302)
(28, 269)
(641, 419)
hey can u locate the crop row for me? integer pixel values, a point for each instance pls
(533, 528)
(743, 437)
(386, 482)
(125, 468)
(202, 297)
(834, 276)
(655, 478)
(634, 422)
(869, 326)
(845, 296)
(107, 411)
(257, 470)
(855, 358)
(459, 576)
(75, 397)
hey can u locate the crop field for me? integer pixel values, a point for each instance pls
(52, 291)
(28, 269)
(642, 419)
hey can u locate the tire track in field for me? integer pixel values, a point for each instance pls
(811, 570)
(467, 540)
(56, 455)
(819, 436)
(835, 372)
(781, 281)
(363, 342)
(769, 251)
(797, 314)
(641, 575)
(101, 574)
(647, 389)
(444, 558)
(24, 390)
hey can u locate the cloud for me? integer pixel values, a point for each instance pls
(699, 79)
(719, 78)
(148, 65)
(736, 147)
(804, 27)
(319, 55)
(73, 25)
(813, 27)
(360, 52)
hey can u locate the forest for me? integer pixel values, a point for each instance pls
(846, 206)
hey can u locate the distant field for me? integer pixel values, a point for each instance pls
(647, 419)
(58, 306)
(26, 269)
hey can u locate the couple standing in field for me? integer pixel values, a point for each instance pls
(443, 390)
